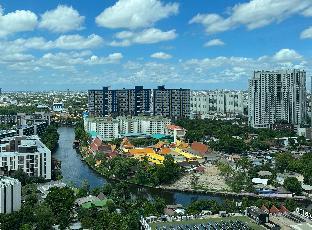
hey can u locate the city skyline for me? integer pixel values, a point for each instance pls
(197, 45)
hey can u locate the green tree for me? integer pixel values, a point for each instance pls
(293, 185)
(291, 204)
(84, 190)
(244, 163)
(283, 161)
(44, 217)
(61, 201)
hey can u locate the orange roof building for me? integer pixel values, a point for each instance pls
(141, 151)
(274, 210)
(200, 147)
(174, 127)
(164, 151)
(283, 209)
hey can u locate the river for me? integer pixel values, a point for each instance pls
(75, 171)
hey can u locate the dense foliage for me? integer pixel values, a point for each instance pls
(293, 185)
(50, 137)
(25, 179)
(13, 109)
(230, 206)
(140, 172)
(80, 133)
(302, 165)
(230, 135)
(61, 201)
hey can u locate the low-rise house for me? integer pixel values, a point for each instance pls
(280, 177)
(260, 181)
(44, 188)
(200, 148)
(176, 131)
(264, 173)
(307, 189)
(200, 169)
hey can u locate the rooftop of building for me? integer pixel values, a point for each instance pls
(4, 181)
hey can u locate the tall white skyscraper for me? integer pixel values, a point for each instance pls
(277, 96)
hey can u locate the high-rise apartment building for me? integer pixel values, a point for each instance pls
(174, 103)
(10, 195)
(217, 102)
(277, 96)
(106, 102)
(25, 153)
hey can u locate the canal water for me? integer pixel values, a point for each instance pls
(75, 171)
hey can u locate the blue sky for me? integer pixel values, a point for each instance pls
(55, 45)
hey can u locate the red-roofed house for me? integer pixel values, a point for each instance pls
(283, 209)
(201, 148)
(200, 169)
(274, 210)
(176, 131)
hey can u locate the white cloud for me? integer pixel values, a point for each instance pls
(214, 42)
(62, 19)
(147, 36)
(307, 33)
(213, 22)
(18, 21)
(307, 12)
(74, 67)
(66, 42)
(287, 55)
(78, 42)
(133, 14)
(253, 14)
(161, 55)
(110, 59)
(16, 57)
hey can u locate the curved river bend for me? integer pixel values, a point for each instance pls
(75, 171)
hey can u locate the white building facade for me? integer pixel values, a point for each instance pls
(276, 96)
(143, 124)
(10, 195)
(217, 102)
(26, 153)
(108, 128)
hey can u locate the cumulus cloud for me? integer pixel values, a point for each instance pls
(111, 58)
(62, 19)
(147, 36)
(78, 42)
(133, 14)
(287, 55)
(78, 67)
(214, 42)
(17, 21)
(161, 55)
(253, 14)
(16, 57)
(307, 33)
(66, 42)
(307, 12)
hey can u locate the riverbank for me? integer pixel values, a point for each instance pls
(184, 185)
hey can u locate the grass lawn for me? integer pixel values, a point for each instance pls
(245, 219)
